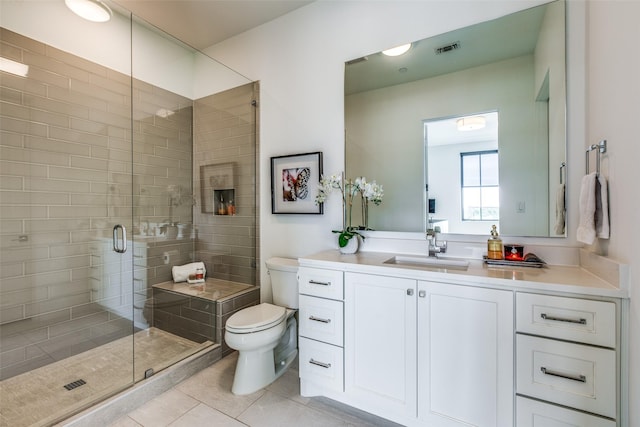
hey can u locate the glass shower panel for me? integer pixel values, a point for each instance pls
(163, 234)
(169, 78)
(66, 314)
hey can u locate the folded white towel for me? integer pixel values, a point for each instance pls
(587, 209)
(560, 210)
(602, 208)
(181, 272)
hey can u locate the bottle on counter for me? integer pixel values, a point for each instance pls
(494, 245)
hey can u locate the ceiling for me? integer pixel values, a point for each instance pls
(203, 23)
(488, 42)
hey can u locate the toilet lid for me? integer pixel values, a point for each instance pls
(259, 316)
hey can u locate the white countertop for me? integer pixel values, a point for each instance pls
(569, 279)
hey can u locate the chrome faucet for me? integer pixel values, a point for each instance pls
(435, 246)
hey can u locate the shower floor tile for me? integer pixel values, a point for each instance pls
(39, 398)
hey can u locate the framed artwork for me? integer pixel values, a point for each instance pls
(294, 183)
(216, 188)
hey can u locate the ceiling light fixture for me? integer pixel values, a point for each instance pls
(471, 123)
(398, 50)
(91, 10)
(13, 67)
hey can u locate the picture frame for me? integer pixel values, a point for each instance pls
(216, 180)
(294, 183)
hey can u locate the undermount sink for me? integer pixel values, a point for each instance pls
(428, 262)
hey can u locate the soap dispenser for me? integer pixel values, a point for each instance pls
(494, 245)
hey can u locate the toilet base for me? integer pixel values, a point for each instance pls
(259, 368)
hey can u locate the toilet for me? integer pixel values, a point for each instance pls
(266, 335)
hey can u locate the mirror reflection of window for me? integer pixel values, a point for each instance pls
(480, 186)
(461, 200)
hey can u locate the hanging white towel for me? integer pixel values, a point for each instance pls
(560, 210)
(587, 209)
(181, 272)
(602, 208)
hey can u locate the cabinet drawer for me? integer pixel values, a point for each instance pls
(322, 283)
(569, 374)
(321, 319)
(533, 413)
(322, 364)
(573, 319)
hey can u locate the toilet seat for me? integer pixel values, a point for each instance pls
(256, 318)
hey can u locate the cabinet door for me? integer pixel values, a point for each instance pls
(380, 344)
(465, 355)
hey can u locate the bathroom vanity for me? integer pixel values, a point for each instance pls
(463, 344)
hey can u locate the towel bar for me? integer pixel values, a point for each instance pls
(602, 148)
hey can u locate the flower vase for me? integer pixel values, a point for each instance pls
(353, 244)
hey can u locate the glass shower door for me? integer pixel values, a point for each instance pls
(66, 313)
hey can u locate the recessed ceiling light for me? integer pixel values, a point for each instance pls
(471, 123)
(398, 50)
(91, 10)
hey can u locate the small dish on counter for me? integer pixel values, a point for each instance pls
(529, 260)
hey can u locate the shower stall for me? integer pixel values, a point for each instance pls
(119, 147)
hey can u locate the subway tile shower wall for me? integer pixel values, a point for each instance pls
(66, 179)
(225, 134)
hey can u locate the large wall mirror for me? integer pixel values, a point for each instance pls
(466, 128)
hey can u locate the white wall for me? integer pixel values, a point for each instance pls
(613, 90)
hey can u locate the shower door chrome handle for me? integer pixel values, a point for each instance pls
(123, 240)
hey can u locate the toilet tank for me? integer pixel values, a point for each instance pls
(284, 281)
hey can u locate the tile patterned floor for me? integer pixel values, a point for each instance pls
(38, 398)
(205, 399)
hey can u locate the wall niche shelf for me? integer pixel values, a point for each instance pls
(224, 202)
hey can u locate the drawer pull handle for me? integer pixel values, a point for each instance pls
(321, 364)
(579, 378)
(315, 282)
(563, 319)
(319, 319)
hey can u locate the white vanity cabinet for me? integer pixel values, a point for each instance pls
(380, 344)
(566, 355)
(465, 355)
(480, 348)
(433, 353)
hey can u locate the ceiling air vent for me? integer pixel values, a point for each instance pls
(447, 48)
(355, 61)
